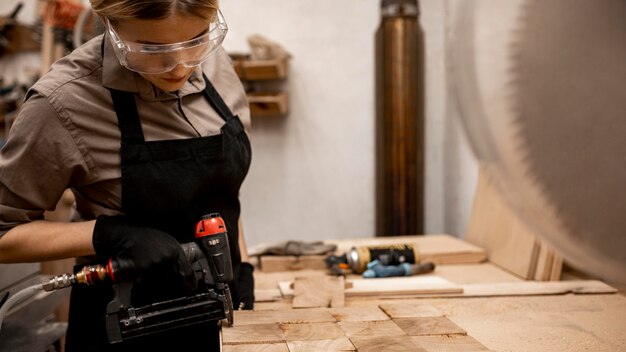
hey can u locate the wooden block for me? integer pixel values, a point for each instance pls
(557, 267)
(371, 328)
(386, 344)
(545, 260)
(509, 242)
(265, 280)
(273, 263)
(272, 347)
(292, 316)
(429, 326)
(313, 331)
(319, 291)
(267, 295)
(358, 314)
(336, 345)
(268, 103)
(410, 310)
(451, 343)
(252, 334)
(263, 69)
(437, 248)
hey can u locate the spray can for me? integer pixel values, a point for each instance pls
(395, 254)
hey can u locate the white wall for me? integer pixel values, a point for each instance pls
(312, 175)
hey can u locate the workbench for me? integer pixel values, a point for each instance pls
(497, 311)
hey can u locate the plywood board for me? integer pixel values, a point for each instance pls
(493, 225)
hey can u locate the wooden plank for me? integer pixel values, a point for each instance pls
(274, 263)
(312, 331)
(438, 248)
(451, 343)
(530, 288)
(475, 273)
(493, 225)
(429, 326)
(392, 286)
(292, 316)
(265, 280)
(371, 328)
(336, 345)
(386, 343)
(252, 334)
(319, 291)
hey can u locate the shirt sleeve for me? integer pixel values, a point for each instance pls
(37, 164)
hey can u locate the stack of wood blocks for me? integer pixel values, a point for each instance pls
(406, 326)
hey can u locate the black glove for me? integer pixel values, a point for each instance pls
(244, 297)
(151, 253)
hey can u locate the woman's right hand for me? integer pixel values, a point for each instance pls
(148, 251)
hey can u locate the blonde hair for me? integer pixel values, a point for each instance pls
(116, 10)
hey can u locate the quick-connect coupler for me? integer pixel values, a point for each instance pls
(88, 275)
(60, 281)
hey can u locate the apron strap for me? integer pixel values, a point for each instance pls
(216, 101)
(127, 116)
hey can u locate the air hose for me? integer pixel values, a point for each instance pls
(17, 298)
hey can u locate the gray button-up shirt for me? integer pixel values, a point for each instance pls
(66, 134)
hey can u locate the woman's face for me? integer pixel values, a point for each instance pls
(178, 28)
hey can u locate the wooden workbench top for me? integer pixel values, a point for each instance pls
(536, 322)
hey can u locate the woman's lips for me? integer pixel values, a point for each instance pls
(174, 80)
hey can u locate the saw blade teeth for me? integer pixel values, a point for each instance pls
(566, 107)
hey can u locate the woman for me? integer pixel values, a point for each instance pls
(147, 125)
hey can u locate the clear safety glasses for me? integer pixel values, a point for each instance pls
(161, 58)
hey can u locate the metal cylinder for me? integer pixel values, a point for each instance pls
(399, 120)
(394, 254)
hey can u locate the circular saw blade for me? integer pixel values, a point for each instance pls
(569, 72)
(538, 85)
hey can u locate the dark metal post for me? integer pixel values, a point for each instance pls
(399, 120)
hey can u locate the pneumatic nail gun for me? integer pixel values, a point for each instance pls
(211, 262)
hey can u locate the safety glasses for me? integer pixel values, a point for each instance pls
(161, 58)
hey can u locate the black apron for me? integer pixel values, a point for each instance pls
(169, 185)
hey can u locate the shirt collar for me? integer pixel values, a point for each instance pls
(116, 76)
